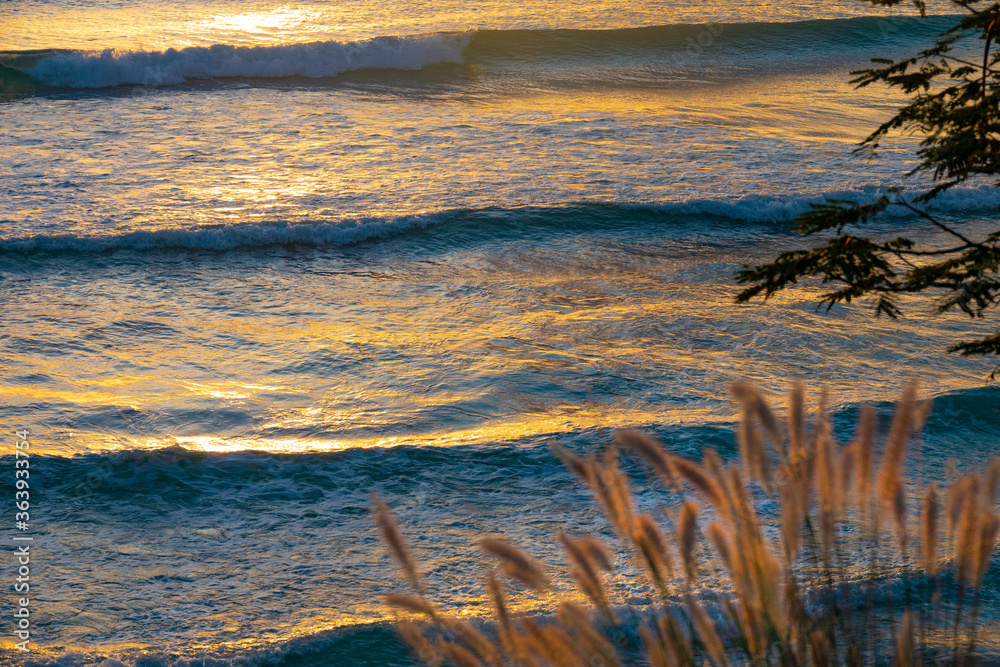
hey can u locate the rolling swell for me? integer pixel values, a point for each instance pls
(183, 539)
(314, 60)
(156, 482)
(794, 37)
(963, 423)
(295, 529)
(742, 210)
(682, 45)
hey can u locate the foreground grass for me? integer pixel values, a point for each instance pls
(792, 599)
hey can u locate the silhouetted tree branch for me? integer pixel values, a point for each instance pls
(955, 110)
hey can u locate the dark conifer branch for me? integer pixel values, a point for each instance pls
(954, 108)
(940, 225)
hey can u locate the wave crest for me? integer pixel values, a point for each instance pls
(745, 210)
(683, 46)
(314, 60)
(227, 237)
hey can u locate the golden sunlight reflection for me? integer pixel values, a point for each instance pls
(215, 392)
(49, 395)
(263, 259)
(521, 346)
(503, 430)
(274, 22)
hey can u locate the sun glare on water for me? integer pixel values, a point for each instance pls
(278, 25)
(258, 21)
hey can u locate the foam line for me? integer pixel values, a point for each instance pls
(315, 59)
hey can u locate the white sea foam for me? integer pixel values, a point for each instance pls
(315, 59)
(756, 208)
(228, 237)
(747, 209)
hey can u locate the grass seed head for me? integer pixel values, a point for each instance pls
(992, 481)
(865, 440)
(706, 632)
(904, 643)
(796, 422)
(425, 650)
(517, 564)
(651, 543)
(719, 538)
(460, 655)
(696, 477)
(394, 539)
(577, 465)
(584, 571)
(653, 452)
(891, 472)
(989, 525)
(792, 514)
(686, 533)
(411, 603)
(475, 640)
(929, 531)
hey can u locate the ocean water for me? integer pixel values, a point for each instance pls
(258, 261)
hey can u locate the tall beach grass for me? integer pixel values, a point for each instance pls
(731, 586)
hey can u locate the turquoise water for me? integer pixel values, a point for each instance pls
(315, 252)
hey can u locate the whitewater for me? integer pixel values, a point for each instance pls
(259, 261)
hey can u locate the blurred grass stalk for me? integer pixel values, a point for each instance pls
(791, 600)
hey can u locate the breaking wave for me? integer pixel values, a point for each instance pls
(749, 209)
(679, 47)
(315, 60)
